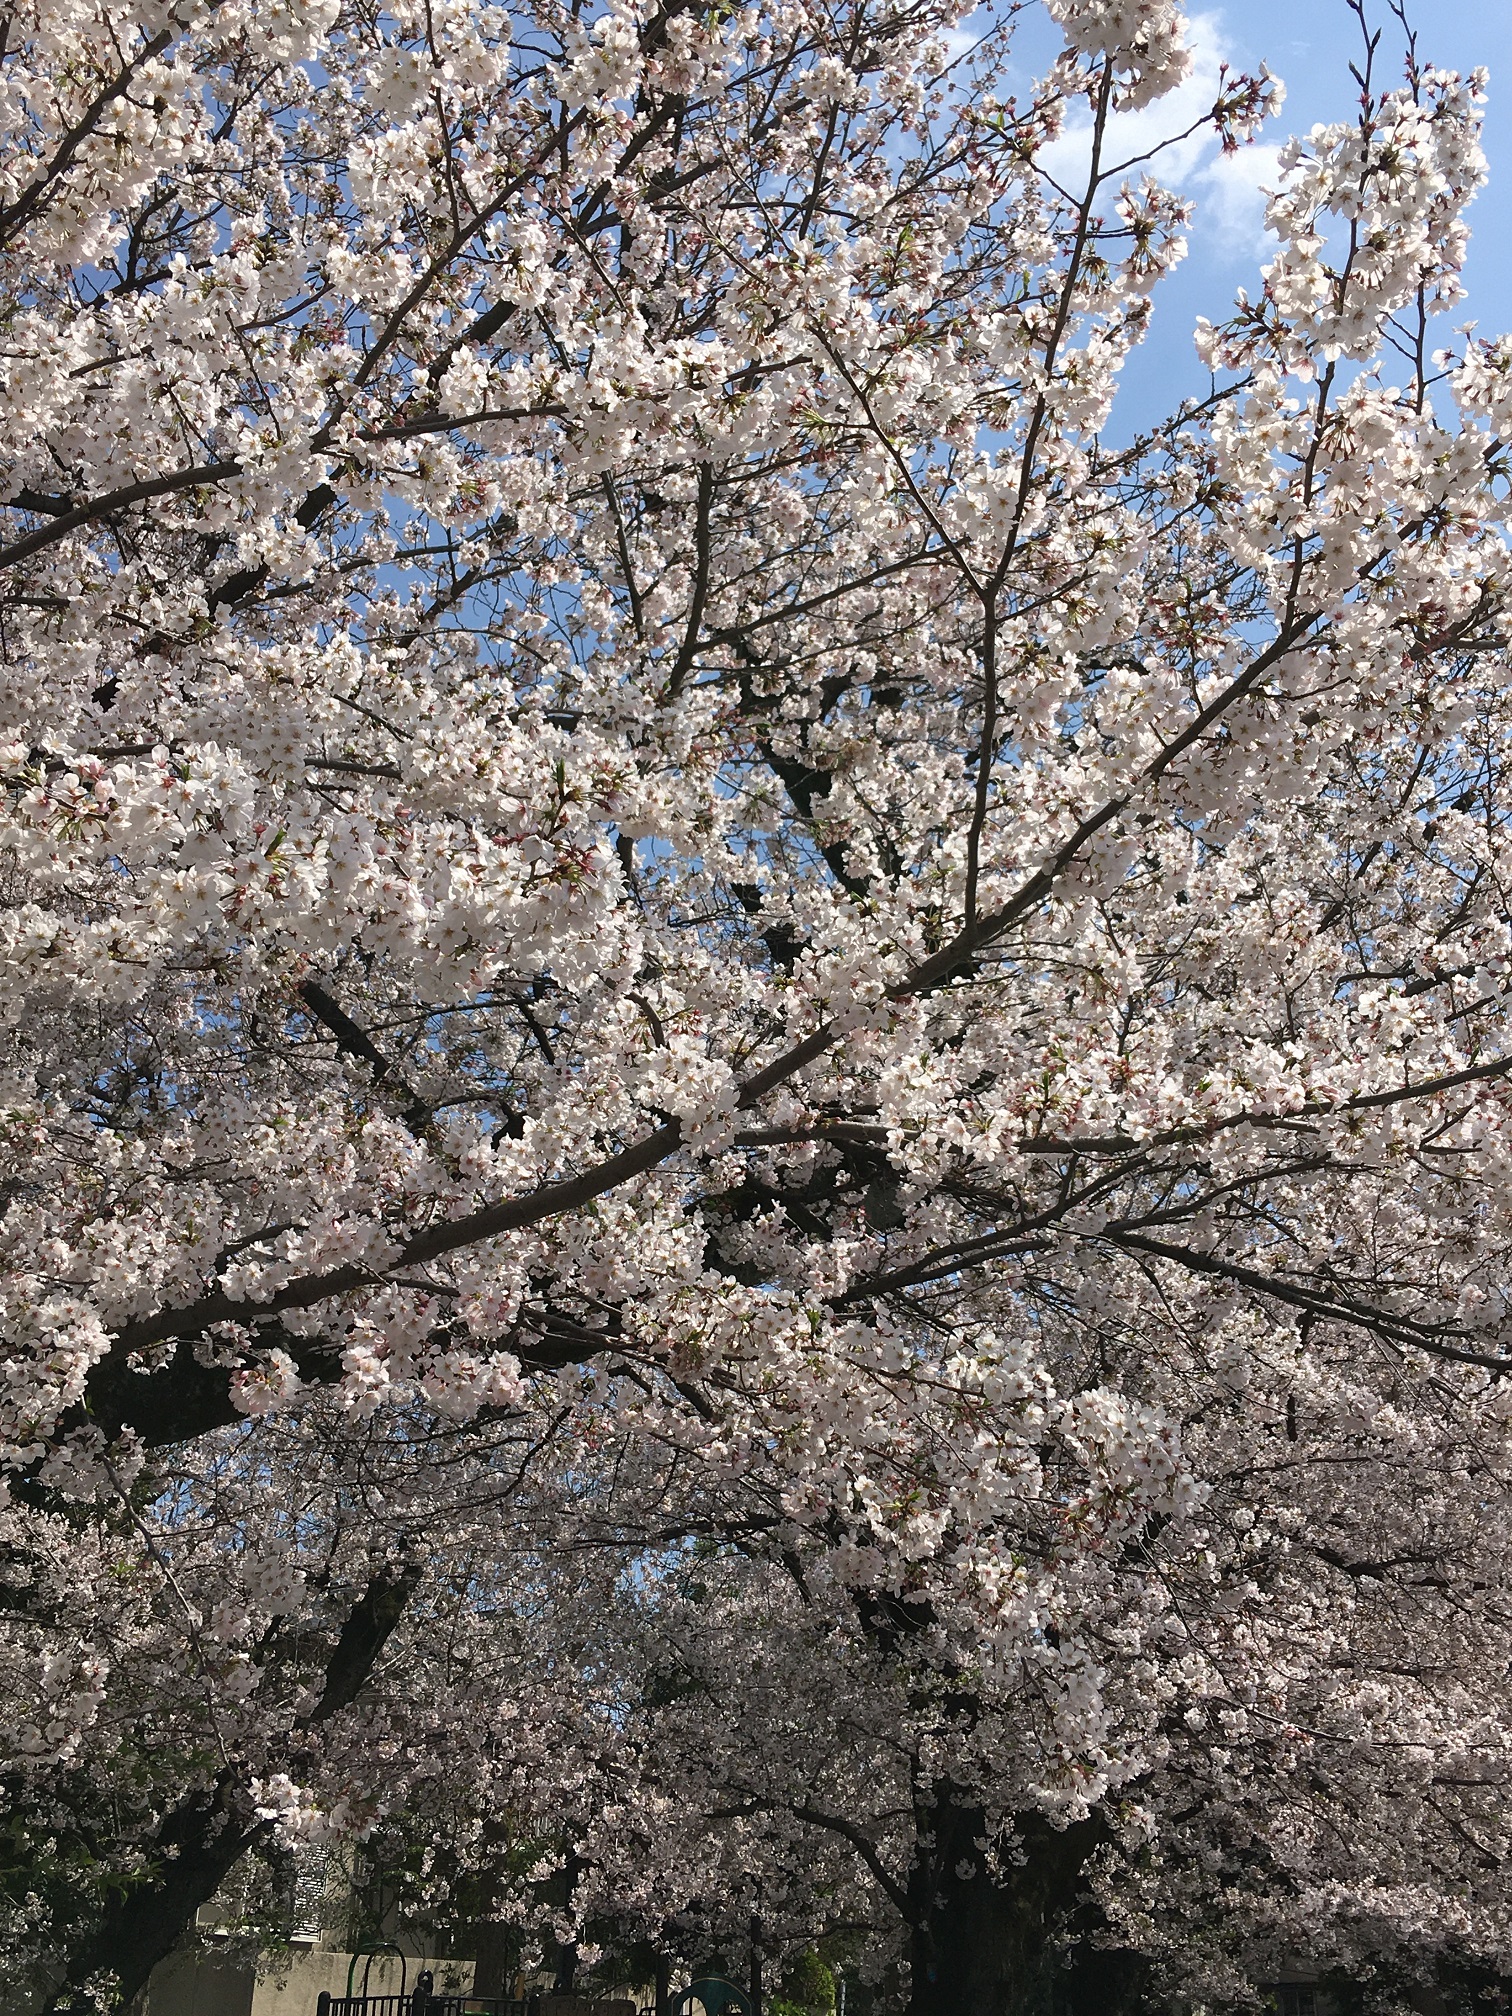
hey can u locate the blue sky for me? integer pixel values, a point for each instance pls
(1310, 45)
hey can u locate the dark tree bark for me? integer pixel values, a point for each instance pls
(201, 1840)
(498, 1954)
(198, 1844)
(985, 1948)
(561, 1888)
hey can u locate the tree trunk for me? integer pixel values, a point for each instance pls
(201, 1840)
(198, 1844)
(991, 1949)
(498, 1950)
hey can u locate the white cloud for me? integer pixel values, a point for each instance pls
(1231, 192)
(964, 37)
(1227, 189)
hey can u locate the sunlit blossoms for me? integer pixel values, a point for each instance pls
(680, 941)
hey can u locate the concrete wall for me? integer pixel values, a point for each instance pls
(284, 1984)
(195, 1984)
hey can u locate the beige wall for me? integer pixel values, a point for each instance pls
(192, 1984)
(285, 1984)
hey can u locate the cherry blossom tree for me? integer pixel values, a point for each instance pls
(628, 827)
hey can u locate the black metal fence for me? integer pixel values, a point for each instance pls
(421, 2003)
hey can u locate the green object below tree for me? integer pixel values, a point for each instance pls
(712, 1997)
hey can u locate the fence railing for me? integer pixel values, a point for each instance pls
(424, 2002)
(421, 2004)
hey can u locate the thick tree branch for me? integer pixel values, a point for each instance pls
(199, 1842)
(114, 500)
(25, 206)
